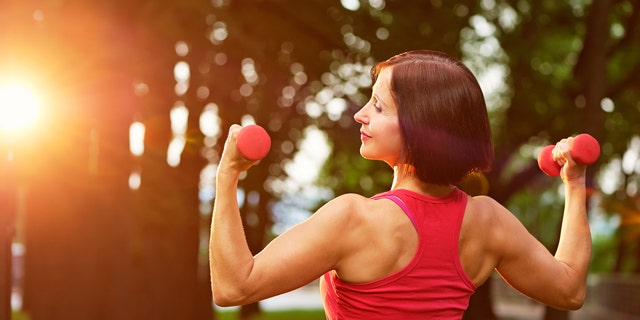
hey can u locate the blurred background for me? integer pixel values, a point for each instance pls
(113, 115)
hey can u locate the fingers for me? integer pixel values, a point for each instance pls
(231, 159)
(570, 170)
(235, 128)
(562, 151)
(231, 138)
(233, 133)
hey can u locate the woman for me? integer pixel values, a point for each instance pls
(419, 250)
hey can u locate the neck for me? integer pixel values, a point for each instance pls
(405, 179)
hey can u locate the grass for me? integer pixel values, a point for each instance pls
(233, 315)
(16, 315)
(277, 315)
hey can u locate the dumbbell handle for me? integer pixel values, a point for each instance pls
(584, 150)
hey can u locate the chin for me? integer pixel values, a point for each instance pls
(368, 156)
(365, 154)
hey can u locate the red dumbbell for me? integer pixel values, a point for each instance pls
(584, 150)
(253, 142)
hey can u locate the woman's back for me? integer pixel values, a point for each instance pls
(431, 284)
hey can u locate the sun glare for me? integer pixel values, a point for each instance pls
(19, 107)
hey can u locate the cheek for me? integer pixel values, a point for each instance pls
(393, 134)
(395, 141)
(386, 144)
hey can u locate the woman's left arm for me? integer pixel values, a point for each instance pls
(574, 246)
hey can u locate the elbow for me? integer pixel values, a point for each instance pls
(228, 297)
(571, 305)
(221, 300)
(576, 303)
(229, 291)
(572, 301)
(571, 294)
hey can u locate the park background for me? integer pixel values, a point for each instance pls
(114, 113)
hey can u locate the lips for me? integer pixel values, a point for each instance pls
(364, 136)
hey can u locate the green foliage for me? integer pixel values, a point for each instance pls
(604, 254)
(541, 213)
(346, 173)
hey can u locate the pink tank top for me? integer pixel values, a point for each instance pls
(432, 286)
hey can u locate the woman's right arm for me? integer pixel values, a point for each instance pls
(292, 260)
(557, 280)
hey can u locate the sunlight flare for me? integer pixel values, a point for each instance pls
(19, 107)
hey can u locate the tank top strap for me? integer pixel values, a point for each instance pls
(389, 195)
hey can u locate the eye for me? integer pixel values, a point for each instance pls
(376, 105)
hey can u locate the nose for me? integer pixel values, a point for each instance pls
(360, 116)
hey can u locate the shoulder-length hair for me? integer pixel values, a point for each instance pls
(442, 115)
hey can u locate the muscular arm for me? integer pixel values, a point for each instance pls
(230, 259)
(293, 259)
(574, 249)
(560, 280)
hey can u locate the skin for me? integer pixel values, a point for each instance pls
(351, 231)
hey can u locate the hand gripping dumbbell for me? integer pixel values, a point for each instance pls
(584, 150)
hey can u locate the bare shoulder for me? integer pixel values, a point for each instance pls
(343, 206)
(350, 199)
(374, 236)
(479, 223)
(342, 214)
(488, 210)
(481, 211)
(484, 204)
(483, 234)
(351, 206)
(492, 218)
(500, 231)
(361, 210)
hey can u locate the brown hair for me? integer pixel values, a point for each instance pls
(442, 114)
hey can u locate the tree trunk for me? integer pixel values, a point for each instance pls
(481, 304)
(255, 220)
(636, 269)
(554, 314)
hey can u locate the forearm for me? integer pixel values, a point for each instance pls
(574, 248)
(229, 255)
